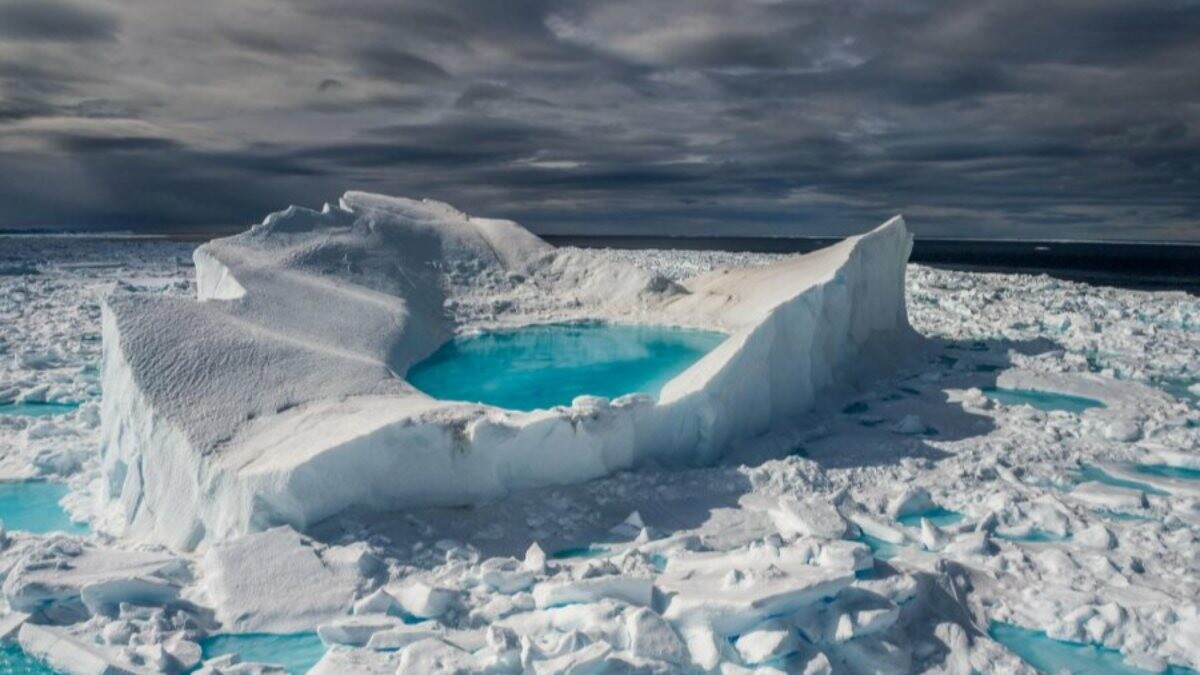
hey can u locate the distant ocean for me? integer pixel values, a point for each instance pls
(1142, 266)
(1135, 265)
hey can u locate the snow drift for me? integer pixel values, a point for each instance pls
(279, 396)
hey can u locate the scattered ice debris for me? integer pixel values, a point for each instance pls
(1009, 514)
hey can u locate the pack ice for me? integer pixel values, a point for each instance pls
(277, 396)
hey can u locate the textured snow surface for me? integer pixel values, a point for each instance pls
(1062, 529)
(278, 397)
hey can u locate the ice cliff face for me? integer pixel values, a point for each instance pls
(278, 397)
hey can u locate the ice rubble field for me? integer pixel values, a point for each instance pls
(896, 530)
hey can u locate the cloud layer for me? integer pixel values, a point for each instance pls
(1012, 118)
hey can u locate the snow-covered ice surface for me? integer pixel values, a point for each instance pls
(278, 397)
(805, 552)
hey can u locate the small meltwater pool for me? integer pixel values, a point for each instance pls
(296, 652)
(1042, 400)
(33, 506)
(542, 366)
(13, 661)
(37, 409)
(1048, 655)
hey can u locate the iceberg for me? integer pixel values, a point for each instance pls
(278, 395)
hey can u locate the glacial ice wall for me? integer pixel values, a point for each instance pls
(278, 396)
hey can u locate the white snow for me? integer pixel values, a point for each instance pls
(281, 582)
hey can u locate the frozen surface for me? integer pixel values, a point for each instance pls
(550, 365)
(1063, 530)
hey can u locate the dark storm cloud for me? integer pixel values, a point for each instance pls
(1020, 118)
(55, 20)
(390, 63)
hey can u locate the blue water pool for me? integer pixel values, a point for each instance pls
(33, 506)
(543, 366)
(884, 550)
(589, 551)
(1095, 473)
(298, 652)
(1179, 388)
(31, 409)
(939, 516)
(1164, 471)
(1042, 400)
(13, 661)
(1055, 656)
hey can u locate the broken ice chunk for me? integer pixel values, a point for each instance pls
(652, 637)
(810, 517)
(632, 590)
(1109, 496)
(422, 600)
(766, 642)
(356, 631)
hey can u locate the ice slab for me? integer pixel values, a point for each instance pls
(280, 582)
(279, 398)
(59, 577)
(66, 654)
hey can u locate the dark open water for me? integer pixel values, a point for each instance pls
(1143, 266)
(1127, 265)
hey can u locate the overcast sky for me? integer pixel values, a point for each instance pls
(1008, 119)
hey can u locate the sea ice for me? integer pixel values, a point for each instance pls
(721, 550)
